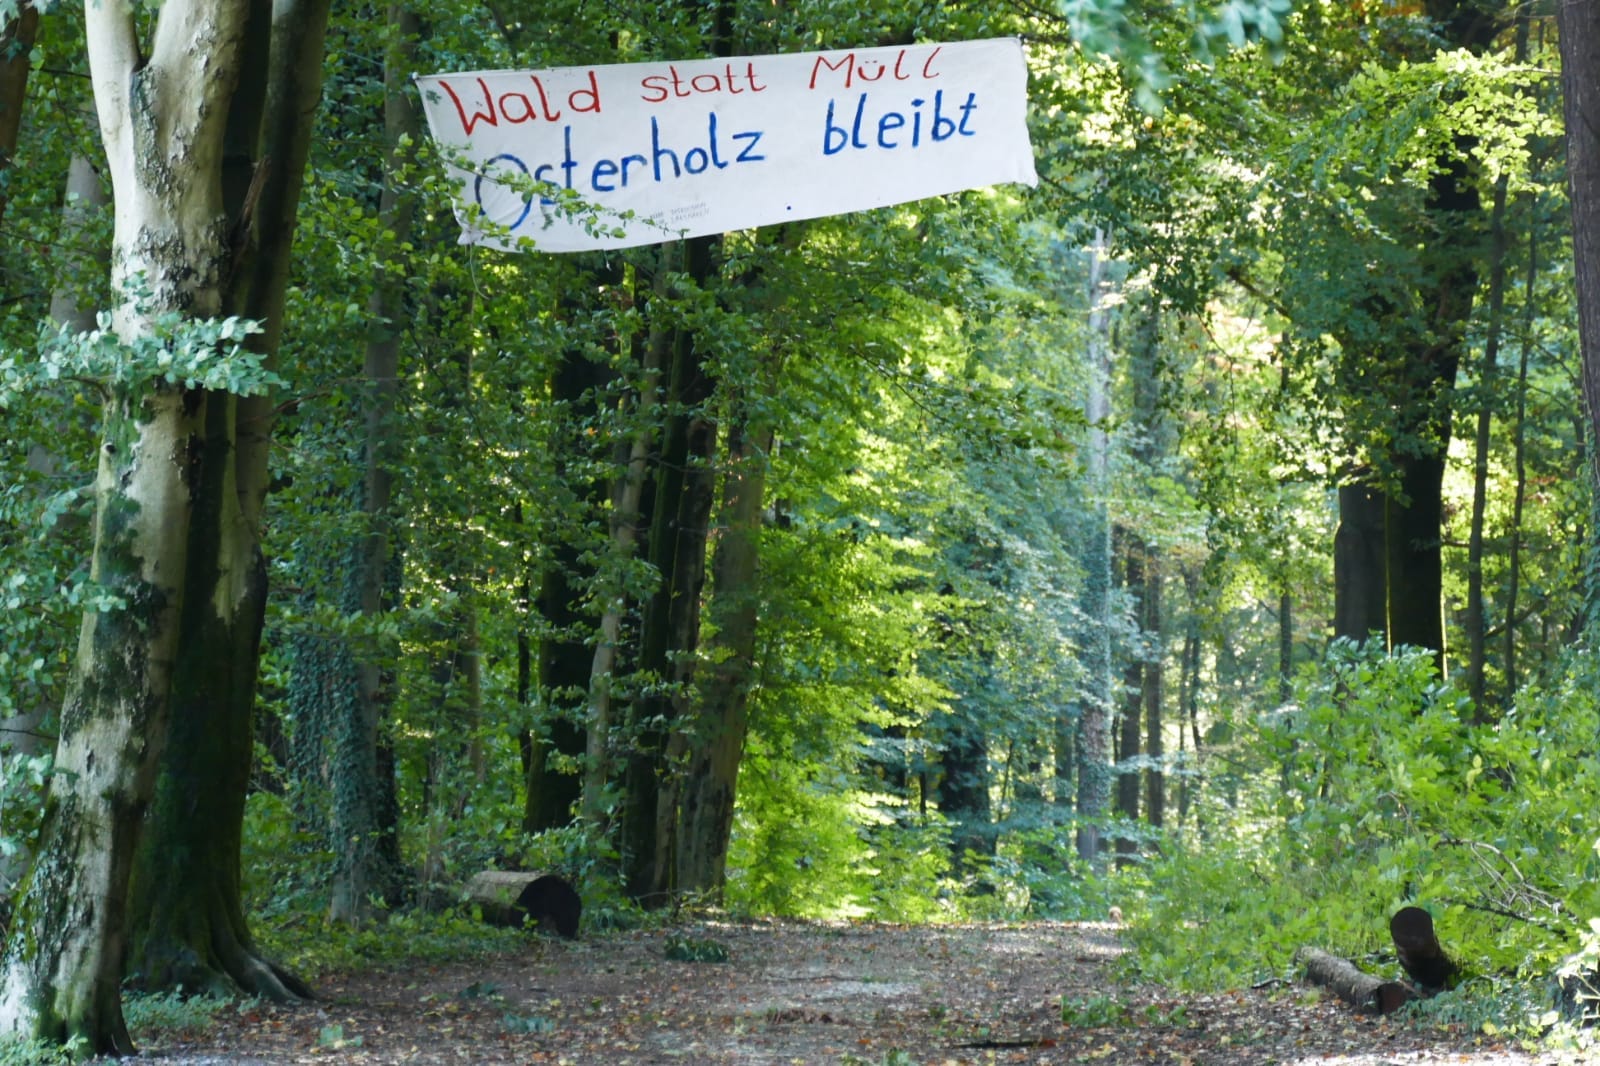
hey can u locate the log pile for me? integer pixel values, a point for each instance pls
(1425, 962)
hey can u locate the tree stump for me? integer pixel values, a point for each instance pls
(1418, 949)
(1357, 988)
(515, 899)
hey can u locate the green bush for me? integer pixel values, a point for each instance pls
(1373, 790)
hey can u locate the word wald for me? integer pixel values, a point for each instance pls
(890, 126)
(515, 107)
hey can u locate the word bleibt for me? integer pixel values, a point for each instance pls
(941, 127)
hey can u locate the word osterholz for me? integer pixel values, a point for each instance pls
(578, 158)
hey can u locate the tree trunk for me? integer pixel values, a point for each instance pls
(1520, 467)
(1476, 616)
(188, 905)
(1579, 33)
(1388, 565)
(162, 114)
(1130, 546)
(16, 46)
(626, 507)
(683, 491)
(1363, 991)
(1093, 741)
(365, 868)
(710, 783)
(1155, 806)
(566, 659)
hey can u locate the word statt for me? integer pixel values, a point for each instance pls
(577, 158)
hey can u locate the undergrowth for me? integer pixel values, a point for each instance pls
(1372, 790)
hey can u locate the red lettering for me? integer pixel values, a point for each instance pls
(927, 68)
(528, 110)
(592, 92)
(847, 64)
(705, 83)
(550, 114)
(862, 71)
(899, 60)
(477, 116)
(655, 83)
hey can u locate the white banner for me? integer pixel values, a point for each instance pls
(577, 158)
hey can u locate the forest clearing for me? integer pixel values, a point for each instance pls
(817, 993)
(910, 478)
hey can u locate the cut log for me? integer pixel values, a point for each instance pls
(514, 898)
(1418, 949)
(1361, 990)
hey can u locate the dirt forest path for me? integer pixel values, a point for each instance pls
(794, 993)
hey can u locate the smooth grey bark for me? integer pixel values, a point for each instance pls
(187, 913)
(162, 111)
(1092, 745)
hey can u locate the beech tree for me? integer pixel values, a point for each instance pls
(204, 113)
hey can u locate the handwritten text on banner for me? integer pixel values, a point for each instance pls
(707, 146)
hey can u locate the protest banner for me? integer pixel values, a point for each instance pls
(612, 156)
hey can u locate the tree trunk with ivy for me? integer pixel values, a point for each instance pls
(186, 914)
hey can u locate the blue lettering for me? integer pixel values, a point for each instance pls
(754, 137)
(892, 121)
(477, 186)
(658, 151)
(605, 168)
(943, 128)
(828, 132)
(966, 113)
(641, 160)
(689, 158)
(569, 164)
(716, 160)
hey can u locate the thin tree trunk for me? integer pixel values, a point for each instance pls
(17, 33)
(1155, 806)
(627, 501)
(1476, 616)
(363, 870)
(566, 660)
(1520, 465)
(1093, 742)
(1131, 548)
(710, 784)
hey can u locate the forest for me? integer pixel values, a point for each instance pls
(1208, 533)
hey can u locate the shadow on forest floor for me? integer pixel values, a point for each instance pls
(873, 995)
